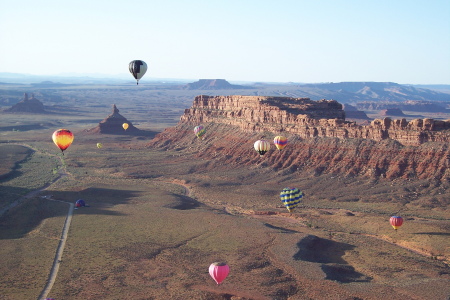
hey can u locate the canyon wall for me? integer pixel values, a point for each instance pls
(307, 118)
(321, 141)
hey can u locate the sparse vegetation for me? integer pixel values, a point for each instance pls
(141, 236)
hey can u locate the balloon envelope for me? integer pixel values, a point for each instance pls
(199, 131)
(80, 203)
(261, 146)
(62, 138)
(396, 221)
(137, 69)
(219, 271)
(125, 126)
(291, 198)
(280, 142)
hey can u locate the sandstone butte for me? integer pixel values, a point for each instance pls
(112, 124)
(321, 140)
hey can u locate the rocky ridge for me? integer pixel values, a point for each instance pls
(28, 105)
(307, 119)
(320, 139)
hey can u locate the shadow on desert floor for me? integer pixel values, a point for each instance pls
(19, 221)
(329, 254)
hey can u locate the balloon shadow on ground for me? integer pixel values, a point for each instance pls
(26, 217)
(282, 229)
(184, 203)
(329, 254)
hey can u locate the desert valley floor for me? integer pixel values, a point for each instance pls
(153, 236)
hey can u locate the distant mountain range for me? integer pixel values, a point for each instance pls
(380, 91)
(344, 92)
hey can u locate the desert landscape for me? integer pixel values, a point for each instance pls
(163, 204)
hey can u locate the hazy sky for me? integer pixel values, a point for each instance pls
(401, 41)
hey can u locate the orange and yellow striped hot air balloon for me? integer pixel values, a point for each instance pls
(62, 138)
(280, 142)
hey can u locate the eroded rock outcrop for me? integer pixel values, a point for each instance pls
(28, 105)
(307, 118)
(320, 139)
(112, 124)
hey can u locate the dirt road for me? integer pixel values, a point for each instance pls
(59, 253)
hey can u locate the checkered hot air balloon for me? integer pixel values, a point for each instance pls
(137, 68)
(291, 198)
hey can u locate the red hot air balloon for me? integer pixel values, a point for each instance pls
(219, 271)
(396, 222)
(62, 138)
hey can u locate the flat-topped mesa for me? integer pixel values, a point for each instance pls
(263, 110)
(307, 118)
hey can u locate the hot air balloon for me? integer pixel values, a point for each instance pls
(291, 198)
(199, 131)
(62, 138)
(138, 69)
(262, 146)
(396, 222)
(125, 126)
(280, 142)
(219, 271)
(99, 145)
(80, 203)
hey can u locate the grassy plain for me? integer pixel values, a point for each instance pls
(143, 238)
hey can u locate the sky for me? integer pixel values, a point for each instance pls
(307, 41)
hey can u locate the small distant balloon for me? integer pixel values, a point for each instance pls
(137, 69)
(199, 131)
(280, 142)
(219, 271)
(291, 198)
(125, 126)
(62, 138)
(396, 222)
(261, 146)
(80, 203)
(99, 145)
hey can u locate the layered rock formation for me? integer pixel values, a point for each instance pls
(307, 119)
(320, 139)
(392, 112)
(112, 124)
(28, 105)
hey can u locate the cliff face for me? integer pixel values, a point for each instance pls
(307, 119)
(320, 140)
